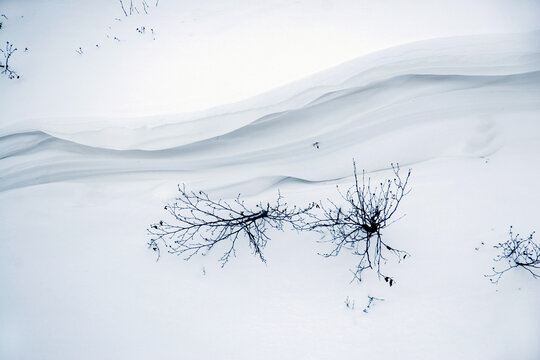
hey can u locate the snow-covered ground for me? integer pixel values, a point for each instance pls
(230, 99)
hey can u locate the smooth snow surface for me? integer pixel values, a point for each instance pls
(79, 187)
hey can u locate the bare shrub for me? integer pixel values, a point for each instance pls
(201, 223)
(357, 223)
(517, 252)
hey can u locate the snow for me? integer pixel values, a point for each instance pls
(232, 100)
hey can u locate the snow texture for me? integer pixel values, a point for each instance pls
(89, 157)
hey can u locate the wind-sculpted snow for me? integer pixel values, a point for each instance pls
(406, 108)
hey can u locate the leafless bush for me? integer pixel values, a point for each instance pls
(517, 252)
(357, 224)
(7, 52)
(201, 223)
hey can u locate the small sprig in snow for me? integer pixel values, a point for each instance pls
(7, 53)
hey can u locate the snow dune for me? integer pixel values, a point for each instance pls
(444, 97)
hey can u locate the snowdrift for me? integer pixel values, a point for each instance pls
(447, 97)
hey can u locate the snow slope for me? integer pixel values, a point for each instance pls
(77, 193)
(371, 110)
